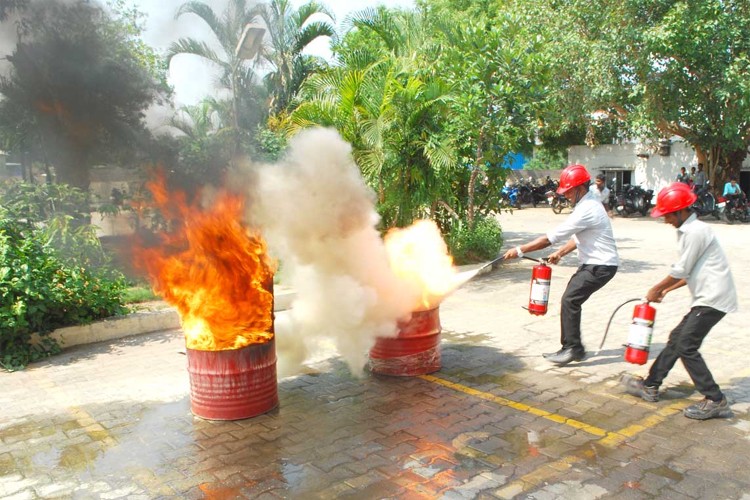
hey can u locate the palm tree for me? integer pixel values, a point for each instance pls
(392, 117)
(198, 121)
(205, 139)
(290, 31)
(237, 74)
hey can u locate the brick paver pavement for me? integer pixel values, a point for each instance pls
(112, 420)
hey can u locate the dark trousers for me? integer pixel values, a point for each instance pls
(587, 279)
(684, 342)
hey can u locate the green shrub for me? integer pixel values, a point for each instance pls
(139, 293)
(40, 290)
(481, 243)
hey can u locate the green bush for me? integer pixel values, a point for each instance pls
(137, 293)
(40, 290)
(481, 243)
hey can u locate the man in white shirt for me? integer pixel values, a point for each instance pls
(589, 230)
(704, 268)
(600, 190)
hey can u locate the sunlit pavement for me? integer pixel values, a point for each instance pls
(113, 420)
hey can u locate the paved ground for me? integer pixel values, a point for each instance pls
(113, 420)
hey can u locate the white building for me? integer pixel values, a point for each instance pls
(633, 163)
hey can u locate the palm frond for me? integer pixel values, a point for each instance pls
(197, 48)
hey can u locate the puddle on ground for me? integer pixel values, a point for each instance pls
(666, 472)
(512, 446)
(63, 442)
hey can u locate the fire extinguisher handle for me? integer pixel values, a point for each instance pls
(540, 260)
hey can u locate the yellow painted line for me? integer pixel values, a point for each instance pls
(552, 470)
(596, 431)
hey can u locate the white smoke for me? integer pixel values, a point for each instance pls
(318, 217)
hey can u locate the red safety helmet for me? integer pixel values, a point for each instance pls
(672, 198)
(572, 176)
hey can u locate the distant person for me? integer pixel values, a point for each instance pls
(600, 190)
(683, 176)
(732, 189)
(699, 179)
(704, 268)
(589, 230)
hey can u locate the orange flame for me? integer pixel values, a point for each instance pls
(419, 256)
(214, 270)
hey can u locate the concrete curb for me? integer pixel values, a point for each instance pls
(138, 323)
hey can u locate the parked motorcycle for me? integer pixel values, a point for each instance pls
(509, 197)
(539, 191)
(706, 203)
(736, 209)
(558, 202)
(633, 199)
(525, 194)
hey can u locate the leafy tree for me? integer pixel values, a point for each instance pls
(290, 31)
(390, 106)
(9, 6)
(76, 89)
(499, 79)
(237, 75)
(130, 23)
(658, 67)
(204, 144)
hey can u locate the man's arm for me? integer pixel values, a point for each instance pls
(555, 256)
(662, 288)
(537, 244)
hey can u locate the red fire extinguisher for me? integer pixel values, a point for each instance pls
(541, 276)
(639, 335)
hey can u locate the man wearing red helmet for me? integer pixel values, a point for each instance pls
(589, 230)
(704, 268)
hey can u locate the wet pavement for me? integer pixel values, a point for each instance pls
(113, 420)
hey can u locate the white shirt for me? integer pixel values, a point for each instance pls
(704, 266)
(591, 228)
(602, 195)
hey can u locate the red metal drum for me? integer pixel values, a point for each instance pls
(233, 384)
(414, 351)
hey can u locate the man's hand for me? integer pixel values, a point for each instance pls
(554, 257)
(655, 295)
(510, 254)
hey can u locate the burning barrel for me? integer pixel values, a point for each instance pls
(414, 351)
(233, 384)
(216, 271)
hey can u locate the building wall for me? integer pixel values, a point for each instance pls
(651, 170)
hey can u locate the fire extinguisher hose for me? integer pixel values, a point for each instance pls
(606, 330)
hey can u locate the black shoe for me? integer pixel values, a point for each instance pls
(708, 409)
(565, 356)
(550, 354)
(635, 385)
(581, 352)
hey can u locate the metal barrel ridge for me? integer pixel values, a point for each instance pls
(414, 351)
(233, 384)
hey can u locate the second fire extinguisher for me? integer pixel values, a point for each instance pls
(639, 335)
(541, 276)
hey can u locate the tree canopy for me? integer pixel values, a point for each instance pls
(77, 89)
(654, 68)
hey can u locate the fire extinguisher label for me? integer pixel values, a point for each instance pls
(640, 332)
(539, 291)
